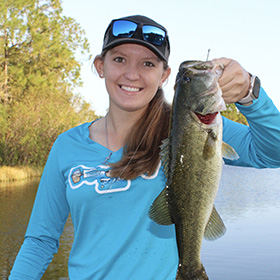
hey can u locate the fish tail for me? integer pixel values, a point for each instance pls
(184, 273)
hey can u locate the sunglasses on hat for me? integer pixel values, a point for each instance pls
(139, 30)
(127, 29)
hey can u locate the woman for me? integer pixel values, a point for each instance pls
(107, 173)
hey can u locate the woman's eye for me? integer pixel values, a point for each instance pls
(119, 59)
(149, 64)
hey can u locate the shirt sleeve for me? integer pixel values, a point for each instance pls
(258, 145)
(48, 217)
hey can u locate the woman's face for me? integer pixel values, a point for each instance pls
(133, 74)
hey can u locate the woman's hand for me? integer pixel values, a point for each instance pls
(235, 80)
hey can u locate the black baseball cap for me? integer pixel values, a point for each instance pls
(138, 30)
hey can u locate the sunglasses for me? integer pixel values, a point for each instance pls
(150, 33)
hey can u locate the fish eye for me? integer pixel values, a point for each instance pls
(186, 79)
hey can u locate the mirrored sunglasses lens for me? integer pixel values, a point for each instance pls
(124, 28)
(153, 35)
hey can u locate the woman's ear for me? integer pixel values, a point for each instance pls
(99, 65)
(165, 76)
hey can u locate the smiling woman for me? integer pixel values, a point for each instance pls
(135, 67)
(107, 173)
(133, 76)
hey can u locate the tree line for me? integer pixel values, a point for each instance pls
(233, 114)
(38, 77)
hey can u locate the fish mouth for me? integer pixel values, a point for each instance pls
(206, 119)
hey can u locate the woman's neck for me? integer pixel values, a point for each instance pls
(119, 125)
(112, 130)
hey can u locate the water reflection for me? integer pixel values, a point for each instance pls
(242, 189)
(16, 201)
(248, 201)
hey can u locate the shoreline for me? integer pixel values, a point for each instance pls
(17, 173)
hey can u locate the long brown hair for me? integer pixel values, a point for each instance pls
(142, 146)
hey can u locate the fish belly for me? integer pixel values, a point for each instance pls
(191, 195)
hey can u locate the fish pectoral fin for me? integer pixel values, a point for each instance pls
(210, 147)
(228, 152)
(215, 227)
(159, 211)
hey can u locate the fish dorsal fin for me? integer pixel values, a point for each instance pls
(159, 211)
(215, 227)
(228, 152)
(164, 155)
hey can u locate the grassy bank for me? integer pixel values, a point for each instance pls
(8, 173)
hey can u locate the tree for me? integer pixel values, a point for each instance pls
(40, 73)
(233, 114)
(39, 47)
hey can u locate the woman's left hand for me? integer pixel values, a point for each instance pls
(235, 80)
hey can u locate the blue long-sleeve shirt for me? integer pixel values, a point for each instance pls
(258, 145)
(113, 236)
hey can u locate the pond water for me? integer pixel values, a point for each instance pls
(248, 201)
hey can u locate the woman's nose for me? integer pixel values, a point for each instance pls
(132, 73)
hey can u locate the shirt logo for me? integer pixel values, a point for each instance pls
(99, 179)
(96, 177)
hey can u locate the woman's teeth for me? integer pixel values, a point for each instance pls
(132, 89)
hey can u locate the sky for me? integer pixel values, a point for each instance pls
(244, 30)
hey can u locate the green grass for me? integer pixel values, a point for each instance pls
(8, 173)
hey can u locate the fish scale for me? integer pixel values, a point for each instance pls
(192, 161)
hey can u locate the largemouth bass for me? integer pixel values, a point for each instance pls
(192, 161)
